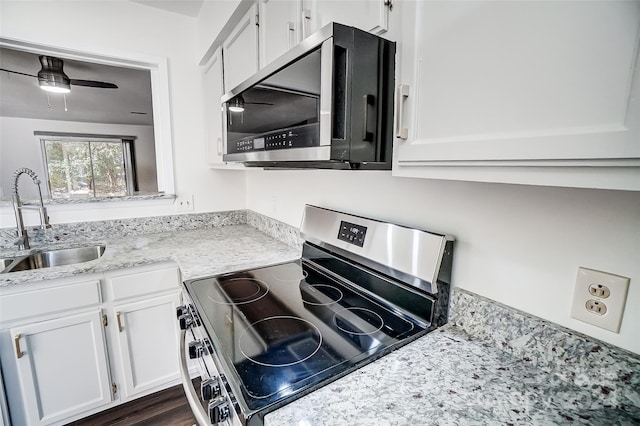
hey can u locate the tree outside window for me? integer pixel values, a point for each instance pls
(88, 168)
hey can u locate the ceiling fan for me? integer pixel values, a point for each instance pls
(52, 78)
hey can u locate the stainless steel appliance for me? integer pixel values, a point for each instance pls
(326, 103)
(267, 336)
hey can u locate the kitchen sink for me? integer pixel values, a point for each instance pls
(50, 258)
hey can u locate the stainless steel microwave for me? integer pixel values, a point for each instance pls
(327, 103)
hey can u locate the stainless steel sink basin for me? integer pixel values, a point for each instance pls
(50, 258)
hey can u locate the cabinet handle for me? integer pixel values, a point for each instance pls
(16, 340)
(306, 16)
(291, 34)
(219, 143)
(402, 92)
(119, 321)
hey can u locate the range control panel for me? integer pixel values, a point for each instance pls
(352, 233)
(300, 137)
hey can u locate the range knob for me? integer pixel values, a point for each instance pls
(196, 349)
(210, 389)
(218, 410)
(186, 322)
(181, 310)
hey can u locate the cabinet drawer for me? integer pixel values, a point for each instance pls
(141, 281)
(49, 300)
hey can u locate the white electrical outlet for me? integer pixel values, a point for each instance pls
(184, 203)
(599, 298)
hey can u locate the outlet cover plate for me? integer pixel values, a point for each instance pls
(615, 301)
(184, 203)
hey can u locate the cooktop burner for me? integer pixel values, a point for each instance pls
(276, 333)
(320, 294)
(288, 272)
(359, 321)
(236, 291)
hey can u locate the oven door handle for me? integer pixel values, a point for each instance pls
(192, 397)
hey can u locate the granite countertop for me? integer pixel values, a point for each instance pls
(198, 252)
(446, 377)
(490, 364)
(138, 196)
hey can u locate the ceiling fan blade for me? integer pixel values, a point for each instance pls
(17, 72)
(91, 83)
(258, 103)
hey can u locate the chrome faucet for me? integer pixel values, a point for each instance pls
(23, 237)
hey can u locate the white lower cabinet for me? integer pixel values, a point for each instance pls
(145, 333)
(62, 367)
(84, 344)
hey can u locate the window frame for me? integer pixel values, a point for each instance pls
(128, 149)
(158, 66)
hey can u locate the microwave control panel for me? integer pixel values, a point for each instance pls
(299, 137)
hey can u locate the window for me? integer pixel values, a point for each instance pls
(88, 168)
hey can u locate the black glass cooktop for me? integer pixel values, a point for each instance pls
(288, 327)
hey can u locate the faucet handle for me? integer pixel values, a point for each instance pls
(19, 242)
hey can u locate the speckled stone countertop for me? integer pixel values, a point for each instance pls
(139, 196)
(489, 365)
(201, 244)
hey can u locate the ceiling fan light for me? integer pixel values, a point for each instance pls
(237, 104)
(51, 77)
(54, 88)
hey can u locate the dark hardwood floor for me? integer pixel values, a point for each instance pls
(167, 407)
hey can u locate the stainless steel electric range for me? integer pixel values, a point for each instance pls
(266, 336)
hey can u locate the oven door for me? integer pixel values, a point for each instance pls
(195, 400)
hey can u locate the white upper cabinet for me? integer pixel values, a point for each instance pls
(530, 92)
(279, 28)
(284, 23)
(367, 15)
(212, 91)
(240, 50)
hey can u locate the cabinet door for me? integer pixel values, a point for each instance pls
(279, 28)
(543, 93)
(240, 50)
(213, 89)
(368, 15)
(147, 339)
(62, 367)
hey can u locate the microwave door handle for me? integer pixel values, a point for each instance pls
(366, 101)
(402, 92)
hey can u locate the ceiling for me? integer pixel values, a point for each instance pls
(183, 7)
(20, 95)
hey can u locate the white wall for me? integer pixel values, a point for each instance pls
(212, 17)
(20, 148)
(120, 26)
(519, 245)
